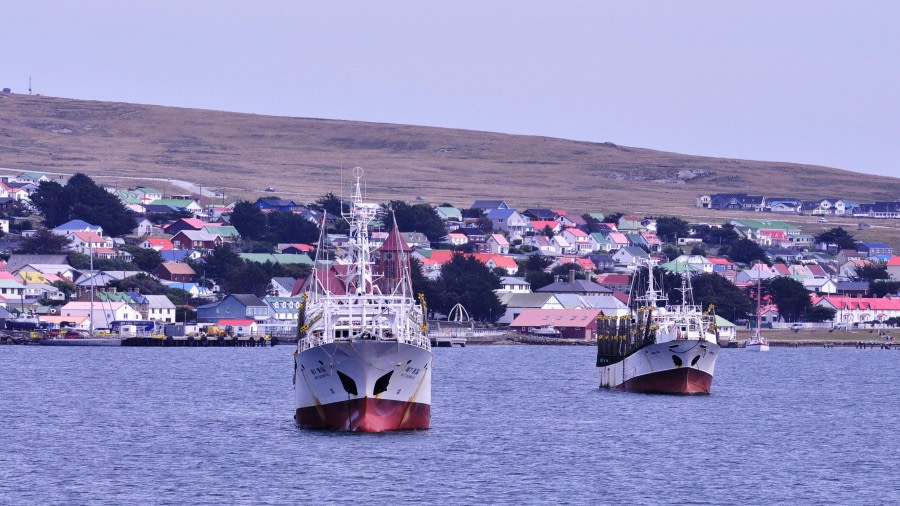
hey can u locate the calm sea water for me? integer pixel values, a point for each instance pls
(510, 425)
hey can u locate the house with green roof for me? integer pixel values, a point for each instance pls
(32, 177)
(689, 263)
(449, 213)
(148, 194)
(629, 224)
(602, 242)
(226, 232)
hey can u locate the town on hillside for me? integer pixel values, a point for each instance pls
(82, 257)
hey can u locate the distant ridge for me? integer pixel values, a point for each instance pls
(300, 157)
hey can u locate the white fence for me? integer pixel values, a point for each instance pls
(806, 325)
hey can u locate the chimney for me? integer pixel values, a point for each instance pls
(571, 275)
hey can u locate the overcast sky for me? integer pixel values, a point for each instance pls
(806, 81)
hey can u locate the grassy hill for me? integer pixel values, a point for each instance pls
(301, 157)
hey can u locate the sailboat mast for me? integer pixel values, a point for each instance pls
(758, 300)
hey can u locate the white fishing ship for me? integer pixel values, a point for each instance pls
(666, 349)
(363, 358)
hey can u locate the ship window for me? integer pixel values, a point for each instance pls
(675, 358)
(696, 359)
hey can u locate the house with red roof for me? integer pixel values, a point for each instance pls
(540, 225)
(579, 240)
(568, 323)
(295, 248)
(239, 327)
(893, 267)
(853, 310)
(158, 244)
(83, 242)
(184, 224)
(175, 271)
(615, 282)
(721, 264)
(457, 239)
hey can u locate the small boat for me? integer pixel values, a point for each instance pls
(757, 342)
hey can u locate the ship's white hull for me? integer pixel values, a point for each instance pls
(363, 385)
(673, 367)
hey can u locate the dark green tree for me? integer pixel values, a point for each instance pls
(97, 206)
(147, 259)
(249, 220)
(81, 261)
(65, 287)
(467, 281)
(250, 277)
(291, 228)
(668, 228)
(415, 218)
(331, 204)
(698, 250)
(614, 217)
(820, 314)
(421, 284)
(143, 283)
(43, 242)
(882, 287)
(548, 232)
(745, 251)
(791, 297)
(562, 271)
(730, 301)
(719, 236)
(53, 202)
(533, 263)
(219, 264)
(837, 236)
(185, 314)
(871, 272)
(671, 252)
(539, 279)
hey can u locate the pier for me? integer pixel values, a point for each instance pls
(203, 341)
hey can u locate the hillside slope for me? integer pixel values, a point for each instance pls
(245, 153)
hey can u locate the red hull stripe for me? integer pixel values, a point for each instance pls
(365, 415)
(683, 380)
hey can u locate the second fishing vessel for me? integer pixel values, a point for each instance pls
(666, 349)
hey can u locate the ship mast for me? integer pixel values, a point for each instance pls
(359, 217)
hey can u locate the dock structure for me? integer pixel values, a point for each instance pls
(447, 341)
(202, 341)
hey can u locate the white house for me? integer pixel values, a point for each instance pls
(510, 284)
(144, 227)
(103, 313)
(498, 244)
(74, 226)
(160, 308)
(84, 242)
(509, 220)
(517, 303)
(630, 256)
(579, 240)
